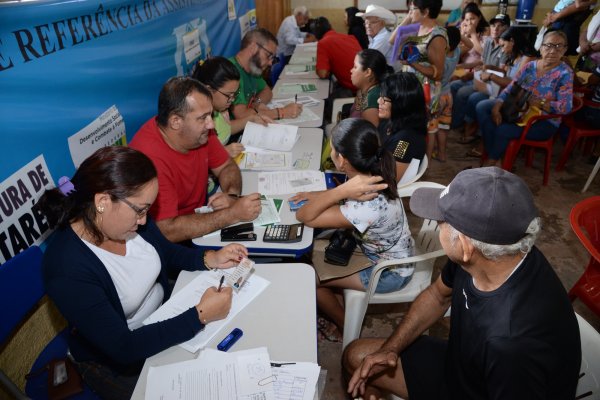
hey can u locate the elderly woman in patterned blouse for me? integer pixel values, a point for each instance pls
(550, 82)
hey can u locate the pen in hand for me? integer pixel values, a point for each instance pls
(221, 283)
(296, 98)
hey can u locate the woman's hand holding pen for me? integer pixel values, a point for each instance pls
(214, 304)
(260, 119)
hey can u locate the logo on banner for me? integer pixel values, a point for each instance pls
(192, 45)
(21, 222)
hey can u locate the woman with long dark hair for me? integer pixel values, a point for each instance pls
(223, 80)
(403, 113)
(370, 67)
(356, 26)
(106, 268)
(379, 224)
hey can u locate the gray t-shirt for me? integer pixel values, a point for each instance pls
(492, 53)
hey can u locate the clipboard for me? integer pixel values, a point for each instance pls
(326, 271)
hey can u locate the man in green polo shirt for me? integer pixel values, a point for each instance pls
(257, 53)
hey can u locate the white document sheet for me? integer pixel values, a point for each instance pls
(215, 375)
(268, 213)
(285, 182)
(271, 137)
(306, 115)
(297, 88)
(306, 101)
(296, 381)
(190, 295)
(258, 159)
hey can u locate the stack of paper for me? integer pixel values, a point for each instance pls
(190, 295)
(241, 375)
(268, 148)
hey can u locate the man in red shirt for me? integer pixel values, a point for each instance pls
(182, 143)
(335, 54)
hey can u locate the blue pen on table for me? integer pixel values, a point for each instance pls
(221, 283)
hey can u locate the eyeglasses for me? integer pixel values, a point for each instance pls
(367, 22)
(553, 46)
(141, 212)
(230, 96)
(272, 56)
(385, 99)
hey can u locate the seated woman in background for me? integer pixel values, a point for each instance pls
(473, 26)
(379, 224)
(356, 26)
(550, 82)
(223, 80)
(370, 67)
(106, 267)
(403, 112)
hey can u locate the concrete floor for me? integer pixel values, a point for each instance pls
(557, 242)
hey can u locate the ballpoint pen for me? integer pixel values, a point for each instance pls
(296, 98)
(221, 283)
(281, 364)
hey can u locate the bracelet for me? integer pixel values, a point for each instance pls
(201, 319)
(206, 263)
(278, 113)
(434, 71)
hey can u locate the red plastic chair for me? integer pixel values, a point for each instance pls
(577, 129)
(515, 145)
(585, 222)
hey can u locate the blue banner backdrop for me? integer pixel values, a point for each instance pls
(64, 63)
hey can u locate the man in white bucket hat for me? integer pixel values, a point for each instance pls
(376, 18)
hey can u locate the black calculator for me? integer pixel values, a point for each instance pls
(284, 233)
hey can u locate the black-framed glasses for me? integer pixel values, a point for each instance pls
(554, 46)
(230, 96)
(385, 99)
(272, 56)
(141, 212)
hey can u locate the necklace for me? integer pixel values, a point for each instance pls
(361, 99)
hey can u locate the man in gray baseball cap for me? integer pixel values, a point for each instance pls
(513, 332)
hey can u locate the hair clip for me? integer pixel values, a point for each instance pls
(65, 186)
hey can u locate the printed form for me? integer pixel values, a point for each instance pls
(214, 375)
(284, 182)
(190, 295)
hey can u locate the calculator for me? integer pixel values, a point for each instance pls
(284, 233)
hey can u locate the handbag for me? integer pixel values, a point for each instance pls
(63, 378)
(515, 104)
(340, 248)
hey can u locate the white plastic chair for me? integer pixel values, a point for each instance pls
(589, 381)
(422, 168)
(427, 250)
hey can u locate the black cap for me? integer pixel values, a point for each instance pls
(487, 204)
(501, 18)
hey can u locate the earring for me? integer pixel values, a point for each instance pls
(100, 209)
